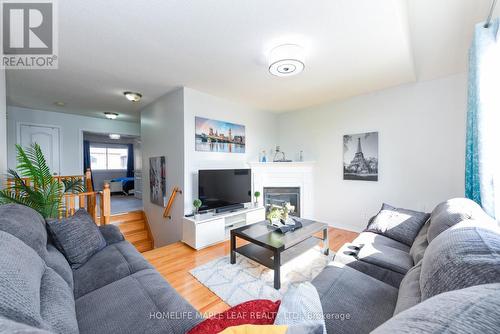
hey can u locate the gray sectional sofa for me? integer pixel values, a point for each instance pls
(116, 291)
(447, 280)
(377, 281)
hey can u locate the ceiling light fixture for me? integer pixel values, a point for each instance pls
(114, 136)
(59, 103)
(110, 115)
(133, 96)
(286, 60)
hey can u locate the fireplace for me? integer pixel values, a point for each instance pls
(281, 195)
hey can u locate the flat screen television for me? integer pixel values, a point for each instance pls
(218, 188)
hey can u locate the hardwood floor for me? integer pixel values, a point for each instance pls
(174, 262)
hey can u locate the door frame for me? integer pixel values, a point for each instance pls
(43, 125)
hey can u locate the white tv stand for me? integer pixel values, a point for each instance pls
(212, 228)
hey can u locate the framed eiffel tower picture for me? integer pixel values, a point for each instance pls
(361, 157)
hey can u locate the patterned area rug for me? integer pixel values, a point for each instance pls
(246, 280)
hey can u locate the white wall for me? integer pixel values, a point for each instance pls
(162, 131)
(260, 128)
(3, 124)
(421, 148)
(72, 127)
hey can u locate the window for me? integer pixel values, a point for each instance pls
(104, 158)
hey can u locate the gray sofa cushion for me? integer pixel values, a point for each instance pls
(452, 212)
(58, 262)
(380, 257)
(343, 257)
(365, 238)
(111, 233)
(77, 237)
(32, 293)
(352, 301)
(12, 327)
(399, 224)
(409, 291)
(465, 255)
(386, 257)
(472, 310)
(25, 224)
(418, 248)
(139, 303)
(112, 263)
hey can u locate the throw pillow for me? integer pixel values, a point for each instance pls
(77, 237)
(301, 305)
(253, 312)
(398, 224)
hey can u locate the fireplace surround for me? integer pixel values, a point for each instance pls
(280, 195)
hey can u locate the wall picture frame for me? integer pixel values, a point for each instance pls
(219, 136)
(361, 156)
(157, 180)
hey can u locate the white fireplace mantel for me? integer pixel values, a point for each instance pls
(287, 174)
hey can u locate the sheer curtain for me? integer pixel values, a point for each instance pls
(482, 177)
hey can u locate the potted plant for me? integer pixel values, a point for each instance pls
(257, 195)
(43, 193)
(197, 205)
(274, 215)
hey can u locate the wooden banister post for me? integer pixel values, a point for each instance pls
(88, 180)
(106, 205)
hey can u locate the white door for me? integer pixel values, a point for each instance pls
(48, 139)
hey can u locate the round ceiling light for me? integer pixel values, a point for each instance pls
(286, 60)
(114, 136)
(59, 103)
(110, 115)
(133, 96)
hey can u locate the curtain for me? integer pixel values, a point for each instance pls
(482, 175)
(130, 161)
(86, 159)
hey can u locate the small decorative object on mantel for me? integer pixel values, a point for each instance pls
(197, 205)
(257, 195)
(279, 156)
(361, 157)
(262, 156)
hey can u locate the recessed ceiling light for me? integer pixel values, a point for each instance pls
(133, 96)
(59, 103)
(114, 136)
(286, 60)
(111, 115)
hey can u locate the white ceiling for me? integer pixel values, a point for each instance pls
(219, 47)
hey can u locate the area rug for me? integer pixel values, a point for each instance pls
(247, 280)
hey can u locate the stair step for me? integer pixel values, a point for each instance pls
(143, 246)
(131, 226)
(126, 217)
(137, 236)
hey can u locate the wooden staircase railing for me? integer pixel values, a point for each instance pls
(166, 213)
(86, 200)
